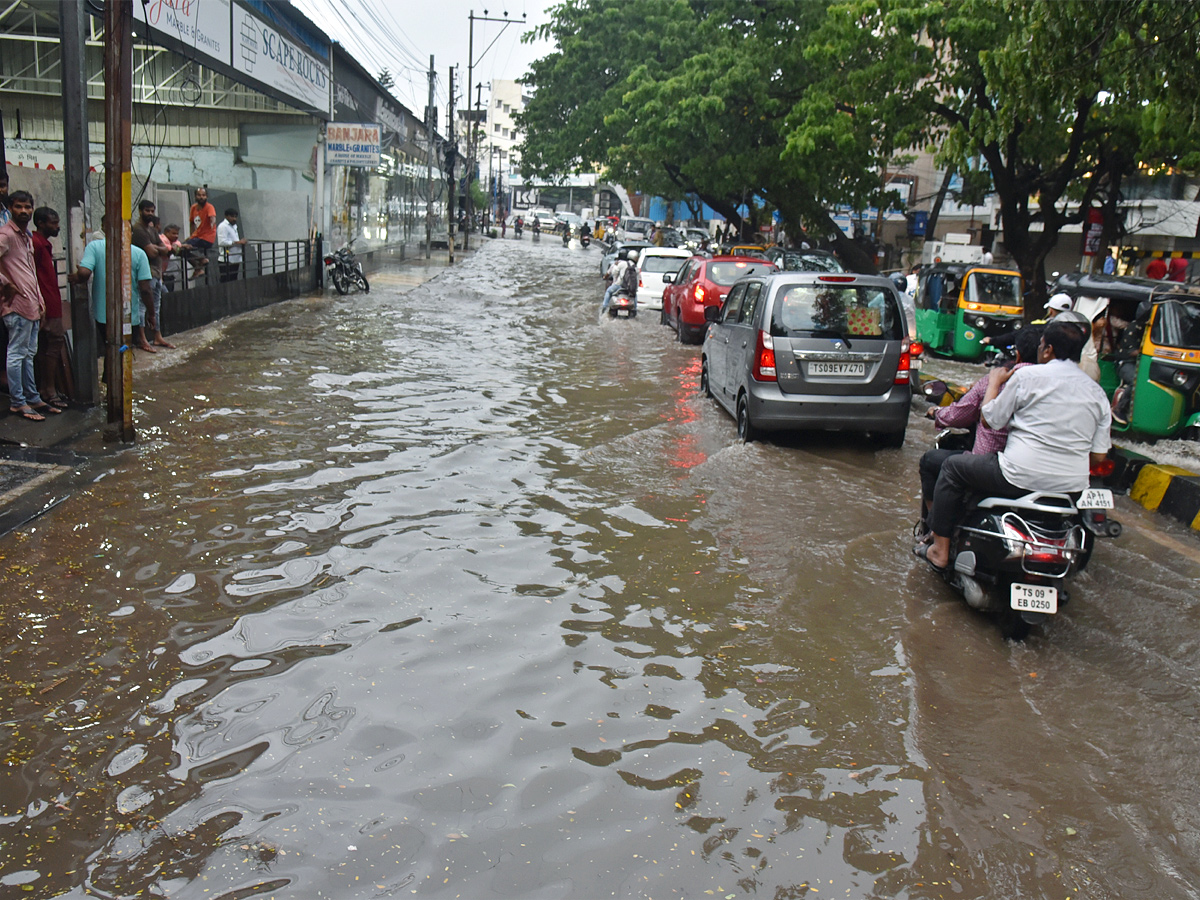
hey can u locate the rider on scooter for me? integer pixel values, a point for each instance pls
(1058, 421)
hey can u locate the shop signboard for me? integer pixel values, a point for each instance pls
(200, 29)
(263, 54)
(352, 144)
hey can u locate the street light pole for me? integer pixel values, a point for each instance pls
(472, 18)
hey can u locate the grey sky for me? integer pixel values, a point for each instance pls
(401, 34)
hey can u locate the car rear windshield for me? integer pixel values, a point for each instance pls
(662, 263)
(726, 273)
(811, 262)
(844, 311)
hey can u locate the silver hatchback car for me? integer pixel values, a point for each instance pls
(810, 350)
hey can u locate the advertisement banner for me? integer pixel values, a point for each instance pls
(199, 26)
(1093, 231)
(266, 56)
(352, 145)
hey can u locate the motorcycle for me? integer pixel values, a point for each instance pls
(345, 271)
(622, 306)
(518, 227)
(1013, 556)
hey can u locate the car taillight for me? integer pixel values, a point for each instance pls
(698, 293)
(640, 282)
(904, 368)
(1102, 469)
(764, 358)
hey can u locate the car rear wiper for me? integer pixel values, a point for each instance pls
(832, 333)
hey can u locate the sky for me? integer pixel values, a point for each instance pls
(401, 34)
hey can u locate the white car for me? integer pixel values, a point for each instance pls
(653, 263)
(635, 229)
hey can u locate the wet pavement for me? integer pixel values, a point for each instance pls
(450, 590)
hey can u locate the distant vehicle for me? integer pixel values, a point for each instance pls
(958, 305)
(653, 263)
(804, 350)
(804, 260)
(701, 282)
(694, 238)
(755, 250)
(632, 228)
(570, 221)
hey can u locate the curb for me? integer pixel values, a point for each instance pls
(1169, 490)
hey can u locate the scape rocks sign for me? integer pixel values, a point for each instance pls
(266, 56)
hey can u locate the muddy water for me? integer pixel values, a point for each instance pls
(451, 591)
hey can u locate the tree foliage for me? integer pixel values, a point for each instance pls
(801, 107)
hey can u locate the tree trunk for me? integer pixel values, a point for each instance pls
(936, 210)
(855, 258)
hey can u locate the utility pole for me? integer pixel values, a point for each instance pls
(451, 160)
(474, 167)
(471, 77)
(118, 202)
(72, 17)
(429, 158)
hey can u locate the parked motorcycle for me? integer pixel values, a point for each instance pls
(345, 271)
(1013, 557)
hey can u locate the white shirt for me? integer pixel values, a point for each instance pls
(227, 239)
(617, 269)
(986, 258)
(1056, 416)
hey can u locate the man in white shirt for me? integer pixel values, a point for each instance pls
(615, 272)
(1058, 421)
(230, 246)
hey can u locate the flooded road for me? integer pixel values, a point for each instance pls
(451, 591)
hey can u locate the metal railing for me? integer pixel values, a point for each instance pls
(258, 258)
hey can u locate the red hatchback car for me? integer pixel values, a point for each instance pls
(701, 282)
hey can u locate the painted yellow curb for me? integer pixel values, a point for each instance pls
(1151, 484)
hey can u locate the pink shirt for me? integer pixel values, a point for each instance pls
(964, 412)
(17, 269)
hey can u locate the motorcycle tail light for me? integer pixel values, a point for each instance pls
(764, 358)
(1102, 469)
(1015, 540)
(329, 260)
(904, 369)
(916, 348)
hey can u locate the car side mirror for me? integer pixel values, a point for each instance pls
(668, 278)
(712, 313)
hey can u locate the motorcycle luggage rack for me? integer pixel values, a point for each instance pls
(1070, 554)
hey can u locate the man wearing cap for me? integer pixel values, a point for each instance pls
(1059, 303)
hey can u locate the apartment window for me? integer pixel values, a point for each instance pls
(498, 104)
(506, 108)
(497, 127)
(504, 133)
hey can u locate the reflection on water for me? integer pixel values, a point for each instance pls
(451, 590)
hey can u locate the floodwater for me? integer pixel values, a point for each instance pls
(451, 591)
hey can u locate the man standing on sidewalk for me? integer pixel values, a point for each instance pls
(93, 263)
(145, 235)
(51, 360)
(230, 245)
(22, 309)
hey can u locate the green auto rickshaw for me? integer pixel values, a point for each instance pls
(1161, 357)
(959, 304)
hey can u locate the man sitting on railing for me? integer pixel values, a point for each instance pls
(204, 230)
(230, 245)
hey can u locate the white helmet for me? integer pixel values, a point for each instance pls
(1059, 302)
(633, 256)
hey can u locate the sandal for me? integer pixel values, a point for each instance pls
(921, 551)
(58, 402)
(47, 410)
(26, 412)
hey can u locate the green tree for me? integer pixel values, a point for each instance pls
(1062, 99)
